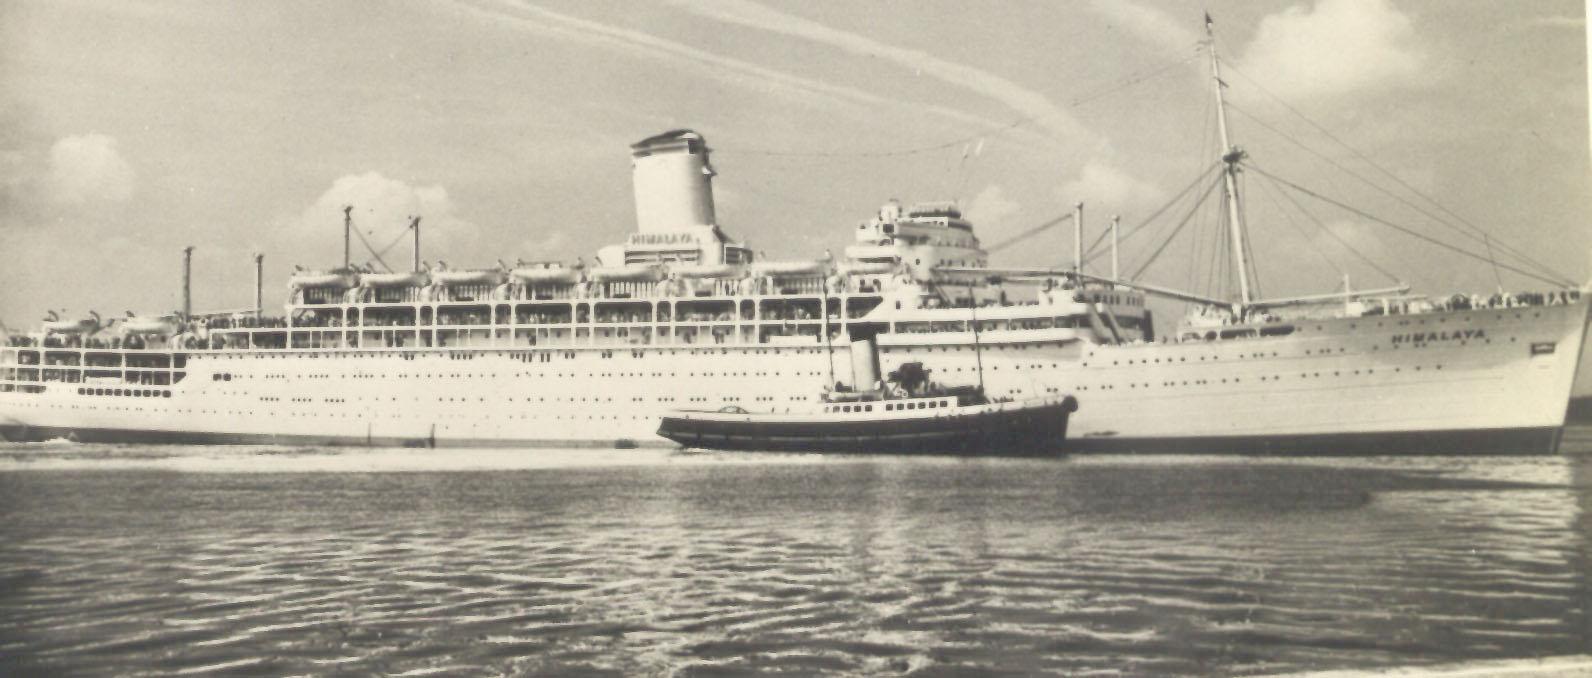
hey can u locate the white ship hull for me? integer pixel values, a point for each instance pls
(1475, 381)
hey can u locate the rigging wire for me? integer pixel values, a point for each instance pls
(1272, 190)
(1166, 230)
(1403, 229)
(1216, 271)
(1480, 236)
(1093, 252)
(1476, 232)
(1026, 234)
(372, 250)
(1173, 236)
(1207, 149)
(1196, 248)
(1254, 266)
(1494, 262)
(1325, 229)
(400, 238)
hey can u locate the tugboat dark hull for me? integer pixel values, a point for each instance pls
(1037, 426)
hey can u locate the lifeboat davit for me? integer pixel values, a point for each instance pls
(707, 271)
(317, 279)
(404, 279)
(139, 324)
(485, 276)
(546, 276)
(639, 273)
(799, 267)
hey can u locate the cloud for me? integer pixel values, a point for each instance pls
(382, 209)
(88, 168)
(1151, 25)
(651, 47)
(1102, 186)
(1021, 99)
(1335, 47)
(1564, 22)
(990, 209)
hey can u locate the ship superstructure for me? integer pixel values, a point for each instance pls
(681, 316)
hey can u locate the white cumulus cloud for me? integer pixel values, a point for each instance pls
(1101, 185)
(382, 209)
(1332, 48)
(991, 209)
(88, 168)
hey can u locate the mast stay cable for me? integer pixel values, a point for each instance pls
(1183, 222)
(1476, 233)
(1093, 252)
(1026, 234)
(1322, 225)
(1403, 229)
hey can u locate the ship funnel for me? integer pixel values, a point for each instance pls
(673, 182)
(865, 363)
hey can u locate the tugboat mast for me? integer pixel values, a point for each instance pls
(1230, 156)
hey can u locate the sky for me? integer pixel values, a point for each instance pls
(131, 129)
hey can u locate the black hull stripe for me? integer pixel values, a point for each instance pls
(1469, 442)
(20, 433)
(1515, 441)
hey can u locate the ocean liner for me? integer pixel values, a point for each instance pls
(680, 316)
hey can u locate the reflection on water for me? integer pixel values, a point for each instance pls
(276, 561)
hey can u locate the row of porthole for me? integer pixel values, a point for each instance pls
(594, 399)
(1316, 352)
(1239, 380)
(521, 355)
(129, 392)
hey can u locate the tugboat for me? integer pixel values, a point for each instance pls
(908, 415)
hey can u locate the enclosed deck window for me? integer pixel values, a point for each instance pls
(464, 315)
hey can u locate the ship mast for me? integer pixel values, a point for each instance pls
(829, 346)
(414, 225)
(1231, 155)
(972, 312)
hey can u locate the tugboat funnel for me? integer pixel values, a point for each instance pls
(865, 363)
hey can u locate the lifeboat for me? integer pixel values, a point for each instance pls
(339, 279)
(798, 267)
(707, 271)
(404, 279)
(868, 267)
(88, 325)
(639, 273)
(546, 276)
(140, 324)
(485, 276)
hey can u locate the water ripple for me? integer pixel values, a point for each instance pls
(174, 562)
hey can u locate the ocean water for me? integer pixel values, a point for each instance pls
(279, 561)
